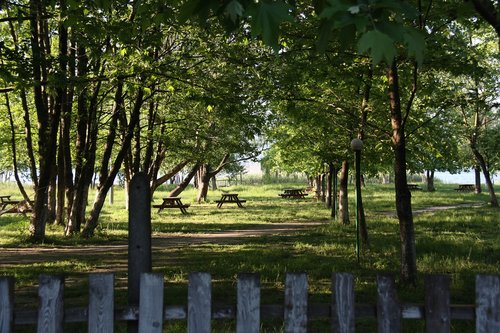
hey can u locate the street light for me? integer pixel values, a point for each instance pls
(357, 145)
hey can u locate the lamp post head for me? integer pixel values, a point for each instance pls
(357, 144)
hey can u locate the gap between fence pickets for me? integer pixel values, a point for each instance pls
(101, 312)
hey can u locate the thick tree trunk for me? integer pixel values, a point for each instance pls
(182, 186)
(429, 179)
(343, 197)
(477, 178)
(408, 267)
(203, 182)
(47, 122)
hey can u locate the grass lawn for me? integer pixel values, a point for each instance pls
(460, 242)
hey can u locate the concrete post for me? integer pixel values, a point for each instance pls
(139, 238)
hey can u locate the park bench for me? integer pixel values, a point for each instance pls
(14, 206)
(230, 198)
(465, 188)
(414, 187)
(172, 202)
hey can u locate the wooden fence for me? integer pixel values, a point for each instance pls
(248, 312)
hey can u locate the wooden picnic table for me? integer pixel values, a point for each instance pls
(230, 198)
(465, 188)
(6, 201)
(414, 187)
(293, 193)
(172, 202)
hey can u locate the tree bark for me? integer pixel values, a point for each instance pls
(343, 195)
(487, 178)
(182, 186)
(408, 268)
(14, 152)
(205, 174)
(169, 174)
(103, 188)
(47, 122)
(429, 179)
(477, 178)
(329, 186)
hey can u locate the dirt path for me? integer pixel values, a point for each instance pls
(116, 254)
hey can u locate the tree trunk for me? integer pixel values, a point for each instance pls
(182, 186)
(168, 175)
(487, 178)
(477, 178)
(335, 193)
(343, 197)
(408, 267)
(103, 188)
(317, 181)
(47, 122)
(203, 182)
(52, 201)
(329, 186)
(14, 152)
(429, 179)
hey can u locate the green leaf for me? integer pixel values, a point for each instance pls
(234, 10)
(266, 19)
(379, 45)
(416, 44)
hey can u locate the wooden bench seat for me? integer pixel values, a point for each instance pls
(233, 201)
(172, 206)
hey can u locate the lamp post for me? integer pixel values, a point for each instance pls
(357, 145)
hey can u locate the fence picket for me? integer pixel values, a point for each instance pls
(487, 303)
(248, 304)
(151, 303)
(199, 303)
(248, 312)
(101, 303)
(6, 304)
(50, 304)
(343, 305)
(437, 304)
(388, 309)
(296, 303)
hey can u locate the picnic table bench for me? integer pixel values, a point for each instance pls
(465, 188)
(17, 206)
(172, 202)
(230, 198)
(293, 193)
(414, 187)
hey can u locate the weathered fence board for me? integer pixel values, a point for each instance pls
(151, 303)
(487, 304)
(6, 304)
(295, 303)
(437, 304)
(388, 309)
(150, 313)
(248, 304)
(50, 304)
(199, 303)
(343, 305)
(101, 303)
